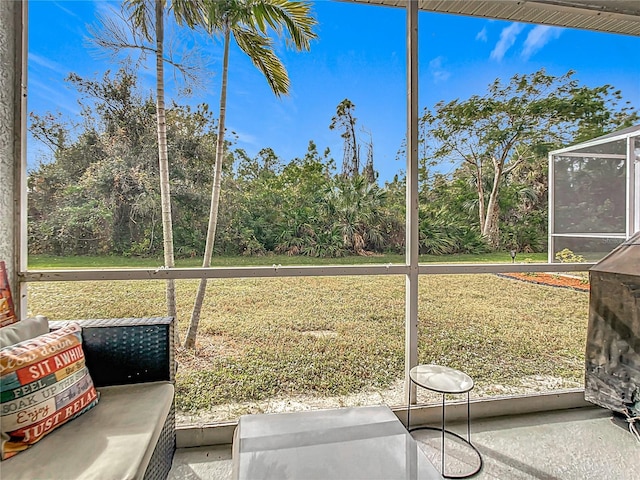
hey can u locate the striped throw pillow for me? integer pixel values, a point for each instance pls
(7, 314)
(44, 383)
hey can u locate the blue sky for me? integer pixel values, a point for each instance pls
(359, 55)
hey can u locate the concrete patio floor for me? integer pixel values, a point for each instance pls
(582, 443)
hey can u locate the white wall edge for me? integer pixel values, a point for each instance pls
(222, 433)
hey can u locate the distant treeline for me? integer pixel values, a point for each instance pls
(99, 191)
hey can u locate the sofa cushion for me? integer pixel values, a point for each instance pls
(7, 314)
(44, 383)
(23, 330)
(114, 440)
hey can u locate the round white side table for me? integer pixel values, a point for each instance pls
(444, 380)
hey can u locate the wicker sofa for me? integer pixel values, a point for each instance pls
(130, 434)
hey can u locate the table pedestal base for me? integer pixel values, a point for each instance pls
(461, 438)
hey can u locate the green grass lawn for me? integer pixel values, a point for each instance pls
(329, 336)
(37, 262)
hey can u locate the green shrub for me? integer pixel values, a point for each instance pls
(567, 256)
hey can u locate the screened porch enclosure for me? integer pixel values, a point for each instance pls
(13, 224)
(594, 201)
(540, 445)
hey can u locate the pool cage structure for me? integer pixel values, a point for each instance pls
(594, 195)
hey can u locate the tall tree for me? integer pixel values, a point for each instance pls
(513, 124)
(345, 120)
(368, 171)
(99, 191)
(146, 21)
(163, 158)
(249, 22)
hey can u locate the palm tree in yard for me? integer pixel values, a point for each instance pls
(249, 23)
(357, 208)
(146, 17)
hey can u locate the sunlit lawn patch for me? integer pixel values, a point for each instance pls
(328, 336)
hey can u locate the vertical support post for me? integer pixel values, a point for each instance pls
(21, 161)
(631, 193)
(634, 158)
(11, 119)
(411, 242)
(551, 207)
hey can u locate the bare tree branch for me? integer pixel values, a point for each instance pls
(114, 34)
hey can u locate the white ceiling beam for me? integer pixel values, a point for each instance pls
(612, 16)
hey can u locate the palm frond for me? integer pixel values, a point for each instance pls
(141, 15)
(219, 15)
(259, 48)
(189, 12)
(285, 15)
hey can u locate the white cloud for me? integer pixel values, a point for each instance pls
(482, 35)
(66, 10)
(538, 37)
(440, 74)
(41, 61)
(57, 98)
(248, 139)
(507, 39)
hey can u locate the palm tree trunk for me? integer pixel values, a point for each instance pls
(163, 161)
(192, 332)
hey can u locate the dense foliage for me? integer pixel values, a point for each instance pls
(512, 127)
(99, 192)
